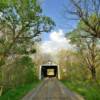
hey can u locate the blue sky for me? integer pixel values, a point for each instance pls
(56, 40)
(55, 10)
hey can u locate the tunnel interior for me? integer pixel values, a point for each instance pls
(49, 71)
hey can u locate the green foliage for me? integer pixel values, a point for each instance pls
(93, 20)
(23, 22)
(2, 62)
(76, 70)
(27, 15)
(88, 90)
(18, 92)
(28, 67)
(86, 45)
(74, 36)
(20, 72)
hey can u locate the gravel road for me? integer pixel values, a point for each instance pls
(52, 89)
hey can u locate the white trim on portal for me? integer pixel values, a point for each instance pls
(58, 72)
(40, 73)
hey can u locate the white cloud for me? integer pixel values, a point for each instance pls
(56, 42)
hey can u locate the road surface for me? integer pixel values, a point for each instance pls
(52, 89)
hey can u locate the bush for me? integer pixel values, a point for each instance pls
(89, 90)
(19, 72)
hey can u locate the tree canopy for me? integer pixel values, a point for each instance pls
(21, 24)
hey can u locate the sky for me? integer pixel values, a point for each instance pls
(56, 40)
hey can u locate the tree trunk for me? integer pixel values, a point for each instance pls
(1, 90)
(93, 73)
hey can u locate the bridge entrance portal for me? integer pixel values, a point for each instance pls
(49, 71)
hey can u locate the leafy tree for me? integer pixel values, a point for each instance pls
(71, 67)
(21, 71)
(88, 48)
(88, 11)
(21, 23)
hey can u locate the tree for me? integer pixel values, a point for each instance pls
(88, 11)
(41, 58)
(63, 59)
(19, 72)
(88, 48)
(21, 23)
(70, 66)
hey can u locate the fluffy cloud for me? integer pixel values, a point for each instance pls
(56, 42)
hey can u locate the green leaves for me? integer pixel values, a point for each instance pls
(22, 23)
(91, 26)
(74, 36)
(3, 4)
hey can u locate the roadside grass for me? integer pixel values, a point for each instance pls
(88, 90)
(19, 92)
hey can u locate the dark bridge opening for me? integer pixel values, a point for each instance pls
(49, 71)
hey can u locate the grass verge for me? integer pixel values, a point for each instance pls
(18, 92)
(88, 90)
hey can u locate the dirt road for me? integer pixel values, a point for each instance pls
(52, 89)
